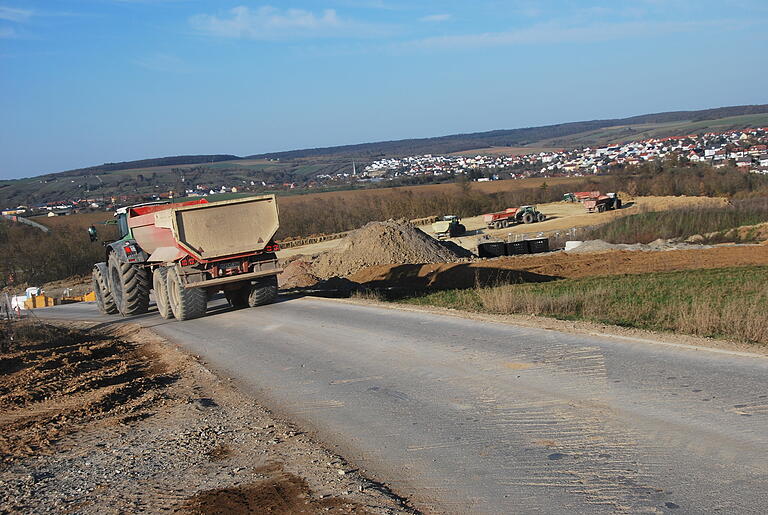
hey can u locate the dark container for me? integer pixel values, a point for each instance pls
(517, 247)
(492, 249)
(538, 245)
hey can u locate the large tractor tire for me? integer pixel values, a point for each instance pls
(160, 285)
(130, 287)
(528, 218)
(186, 303)
(263, 292)
(104, 300)
(238, 298)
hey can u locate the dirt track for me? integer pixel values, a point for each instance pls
(96, 422)
(536, 268)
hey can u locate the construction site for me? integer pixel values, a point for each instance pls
(93, 397)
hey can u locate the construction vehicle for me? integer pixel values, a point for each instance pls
(512, 216)
(602, 203)
(187, 252)
(449, 227)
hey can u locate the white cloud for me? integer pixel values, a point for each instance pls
(269, 23)
(14, 14)
(436, 17)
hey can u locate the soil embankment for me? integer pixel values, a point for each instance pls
(557, 265)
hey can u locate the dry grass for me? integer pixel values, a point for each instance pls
(725, 302)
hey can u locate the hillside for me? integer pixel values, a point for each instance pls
(270, 171)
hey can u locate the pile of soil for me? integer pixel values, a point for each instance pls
(657, 245)
(745, 233)
(381, 243)
(297, 274)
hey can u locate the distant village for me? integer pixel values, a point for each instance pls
(746, 149)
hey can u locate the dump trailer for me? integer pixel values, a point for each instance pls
(602, 203)
(512, 216)
(186, 252)
(449, 227)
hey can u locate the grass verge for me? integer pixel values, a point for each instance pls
(723, 303)
(682, 223)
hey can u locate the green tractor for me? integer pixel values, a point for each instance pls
(449, 227)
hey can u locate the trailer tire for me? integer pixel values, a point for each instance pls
(263, 292)
(129, 285)
(104, 300)
(528, 218)
(185, 303)
(160, 285)
(238, 298)
(498, 225)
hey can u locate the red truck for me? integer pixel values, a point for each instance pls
(512, 216)
(602, 203)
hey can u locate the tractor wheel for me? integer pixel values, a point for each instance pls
(104, 300)
(185, 303)
(160, 285)
(460, 229)
(130, 287)
(618, 203)
(541, 217)
(263, 292)
(528, 218)
(238, 298)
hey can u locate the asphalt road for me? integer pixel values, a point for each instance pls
(473, 417)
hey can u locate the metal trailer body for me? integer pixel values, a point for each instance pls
(512, 216)
(187, 252)
(602, 203)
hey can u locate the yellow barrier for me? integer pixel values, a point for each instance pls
(39, 301)
(44, 301)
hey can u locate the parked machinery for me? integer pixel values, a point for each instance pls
(449, 227)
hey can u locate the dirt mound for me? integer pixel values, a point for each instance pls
(297, 274)
(602, 246)
(745, 233)
(381, 243)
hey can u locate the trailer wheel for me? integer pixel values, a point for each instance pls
(497, 225)
(238, 298)
(104, 300)
(130, 287)
(528, 218)
(541, 217)
(185, 303)
(160, 285)
(263, 292)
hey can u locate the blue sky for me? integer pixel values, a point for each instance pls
(84, 82)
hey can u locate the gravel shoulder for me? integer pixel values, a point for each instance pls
(113, 420)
